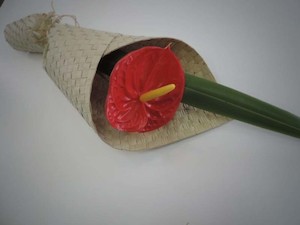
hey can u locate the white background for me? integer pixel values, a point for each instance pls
(54, 170)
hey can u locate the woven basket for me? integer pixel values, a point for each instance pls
(71, 58)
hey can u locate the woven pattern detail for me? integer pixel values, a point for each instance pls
(121, 41)
(71, 60)
(24, 34)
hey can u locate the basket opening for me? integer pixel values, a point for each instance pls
(101, 79)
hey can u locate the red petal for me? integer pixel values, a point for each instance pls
(138, 72)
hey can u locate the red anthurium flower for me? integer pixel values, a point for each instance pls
(146, 88)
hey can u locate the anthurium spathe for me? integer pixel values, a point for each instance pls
(146, 88)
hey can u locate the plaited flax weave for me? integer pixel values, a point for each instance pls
(71, 57)
(30, 33)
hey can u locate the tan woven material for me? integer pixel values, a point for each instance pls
(29, 34)
(71, 58)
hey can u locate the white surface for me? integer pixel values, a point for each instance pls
(54, 170)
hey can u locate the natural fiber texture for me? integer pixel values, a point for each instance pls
(71, 59)
(29, 34)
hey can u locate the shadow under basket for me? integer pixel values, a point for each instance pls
(72, 58)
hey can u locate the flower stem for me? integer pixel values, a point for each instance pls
(216, 98)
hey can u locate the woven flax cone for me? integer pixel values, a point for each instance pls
(71, 57)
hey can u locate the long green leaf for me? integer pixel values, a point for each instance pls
(213, 97)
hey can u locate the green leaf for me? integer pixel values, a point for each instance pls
(216, 98)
